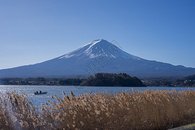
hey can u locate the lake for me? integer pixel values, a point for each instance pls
(77, 90)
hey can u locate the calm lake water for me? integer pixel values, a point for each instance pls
(77, 90)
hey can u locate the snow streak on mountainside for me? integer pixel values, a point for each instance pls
(98, 56)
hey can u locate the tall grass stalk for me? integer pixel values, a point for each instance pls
(125, 110)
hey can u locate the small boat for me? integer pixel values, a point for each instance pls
(37, 93)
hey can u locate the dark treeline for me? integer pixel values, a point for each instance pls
(70, 81)
(188, 81)
(106, 79)
(100, 79)
(103, 79)
(40, 81)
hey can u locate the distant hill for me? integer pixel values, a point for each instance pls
(188, 81)
(191, 77)
(106, 79)
(99, 56)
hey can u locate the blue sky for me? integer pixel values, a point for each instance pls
(32, 31)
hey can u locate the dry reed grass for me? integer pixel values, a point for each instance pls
(125, 110)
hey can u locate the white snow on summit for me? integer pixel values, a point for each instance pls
(99, 48)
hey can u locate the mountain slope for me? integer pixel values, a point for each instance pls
(97, 56)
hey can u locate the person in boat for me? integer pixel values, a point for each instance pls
(36, 92)
(40, 92)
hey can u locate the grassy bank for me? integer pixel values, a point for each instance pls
(125, 110)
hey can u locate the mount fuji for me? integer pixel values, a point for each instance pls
(97, 56)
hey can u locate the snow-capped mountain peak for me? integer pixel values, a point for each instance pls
(99, 48)
(97, 56)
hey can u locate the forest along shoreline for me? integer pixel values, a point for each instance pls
(104, 79)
